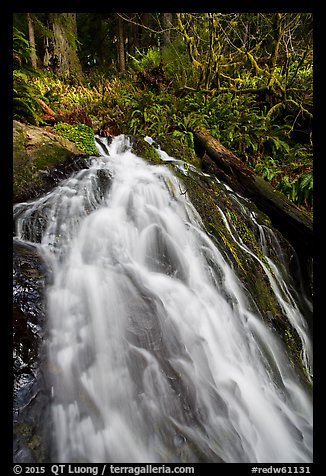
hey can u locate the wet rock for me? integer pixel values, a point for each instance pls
(30, 395)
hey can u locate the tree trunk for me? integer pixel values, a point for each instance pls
(61, 49)
(31, 38)
(293, 223)
(145, 41)
(167, 22)
(121, 45)
(135, 29)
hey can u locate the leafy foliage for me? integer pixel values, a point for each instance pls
(21, 49)
(146, 59)
(25, 93)
(299, 190)
(247, 78)
(291, 174)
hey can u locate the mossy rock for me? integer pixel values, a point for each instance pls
(32, 441)
(207, 196)
(36, 151)
(179, 150)
(145, 150)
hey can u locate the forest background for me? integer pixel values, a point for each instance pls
(247, 78)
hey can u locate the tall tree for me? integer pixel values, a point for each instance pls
(136, 35)
(31, 37)
(167, 23)
(121, 44)
(97, 36)
(61, 46)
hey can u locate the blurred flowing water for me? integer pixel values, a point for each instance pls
(154, 353)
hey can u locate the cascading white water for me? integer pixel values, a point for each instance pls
(154, 354)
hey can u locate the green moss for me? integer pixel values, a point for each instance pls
(247, 236)
(145, 150)
(31, 440)
(49, 155)
(228, 243)
(294, 345)
(22, 172)
(204, 196)
(207, 198)
(179, 149)
(35, 150)
(79, 134)
(28, 170)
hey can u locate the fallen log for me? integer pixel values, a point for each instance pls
(49, 116)
(293, 223)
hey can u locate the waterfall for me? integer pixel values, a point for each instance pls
(154, 352)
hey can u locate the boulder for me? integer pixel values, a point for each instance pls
(36, 153)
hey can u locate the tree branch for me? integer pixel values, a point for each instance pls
(163, 30)
(277, 106)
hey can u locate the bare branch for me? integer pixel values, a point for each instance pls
(162, 30)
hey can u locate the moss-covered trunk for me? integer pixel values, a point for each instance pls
(293, 223)
(61, 51)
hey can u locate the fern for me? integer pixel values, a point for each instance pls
(267, 169)
(299, 190)
(305, 189)
(21, 49)
(306, 182)
(25, 98)
(145, 60)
